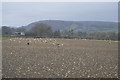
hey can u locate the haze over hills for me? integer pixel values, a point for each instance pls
(84, 26)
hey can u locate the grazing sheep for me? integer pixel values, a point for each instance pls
(109, 42)
(84, 39)
(62, 44)
(10, 39)
(45, 41)
(57, 44)
(54, 40)
(34, 39)
(28, 43)
(53, 43)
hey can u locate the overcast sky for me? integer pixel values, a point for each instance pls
(22, 13)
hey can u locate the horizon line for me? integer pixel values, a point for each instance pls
(59, 20)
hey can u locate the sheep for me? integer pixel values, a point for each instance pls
(28, 43)
(62, 44)
(54, 40)
(45, 41)
(57, 44)
(109, 42)
(10, 39)
(84, 39)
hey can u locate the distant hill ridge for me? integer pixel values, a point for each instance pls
(84, 26)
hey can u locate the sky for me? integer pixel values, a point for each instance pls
(18, 14)
(60, 0)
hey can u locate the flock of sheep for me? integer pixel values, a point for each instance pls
(29, 41)
(52, 41)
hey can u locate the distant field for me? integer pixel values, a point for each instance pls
(0, 37)
(108, 40)
(59, 58)
(116, 41)
(8, 37)
(5, 37)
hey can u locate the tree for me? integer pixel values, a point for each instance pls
(57, 34)
(41, 30)
(70, 34)
(82, 34)
(118, 36)
(104, 35)
(7, 31)
(113, 36)
(21, 29)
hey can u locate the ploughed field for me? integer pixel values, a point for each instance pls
(59, 58)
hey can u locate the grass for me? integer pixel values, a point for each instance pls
(116, 41)
(108, 40)
(0, 37)
(5, 37)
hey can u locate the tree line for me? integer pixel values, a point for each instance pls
(46, 31)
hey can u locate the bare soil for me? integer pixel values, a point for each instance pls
(59, 58)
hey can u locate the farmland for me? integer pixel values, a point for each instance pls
(59, 58)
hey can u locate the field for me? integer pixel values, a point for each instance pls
(5, 37)
(59, 58)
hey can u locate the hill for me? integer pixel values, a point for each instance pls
(84, 26)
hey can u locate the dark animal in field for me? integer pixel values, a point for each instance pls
(58, 45)
(28, 43)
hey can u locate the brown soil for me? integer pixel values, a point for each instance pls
(59, 58)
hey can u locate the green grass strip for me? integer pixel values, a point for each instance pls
(5, 37)
(108, 40)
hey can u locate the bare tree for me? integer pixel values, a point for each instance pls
(41, 30)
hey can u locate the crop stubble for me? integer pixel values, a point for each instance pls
(72, 58)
